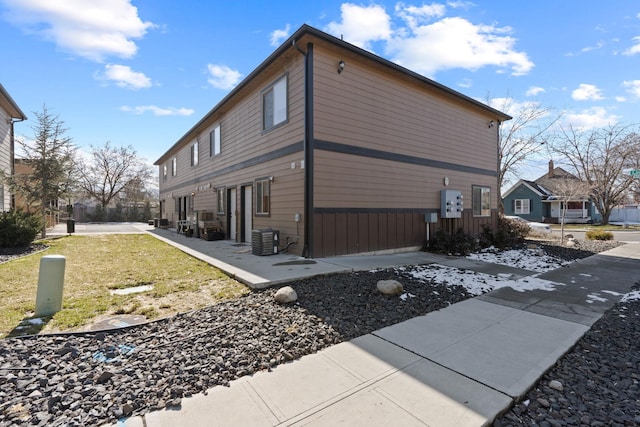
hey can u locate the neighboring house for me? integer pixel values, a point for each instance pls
(9, 114)
(339, 150)
(537, 201)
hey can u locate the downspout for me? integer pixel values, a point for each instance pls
(307, 250)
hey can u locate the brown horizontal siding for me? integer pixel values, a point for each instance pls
(398, 116)
(350, 181)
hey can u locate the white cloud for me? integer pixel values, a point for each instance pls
(223, 77)
(635, 48)
(93, 30)
(429, 42)
(592, 118)
(278, 36)
(124, 76)
(587, 92)
(621, 99)
(362, 25)
(633, 87)
(415, 16)
(534, 91)
(157, 111)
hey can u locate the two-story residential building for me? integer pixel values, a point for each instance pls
(339, 150)
(9, 114)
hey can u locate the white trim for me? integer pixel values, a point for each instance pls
(517, 184)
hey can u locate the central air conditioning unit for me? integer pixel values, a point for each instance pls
(264, 242)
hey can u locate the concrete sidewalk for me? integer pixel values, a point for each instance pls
(460, 366)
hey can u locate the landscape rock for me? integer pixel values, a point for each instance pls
(389, 287)
(286, 295)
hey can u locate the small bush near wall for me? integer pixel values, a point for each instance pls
(598, 235)
(458, 243)
(509, 234)
(18, 229)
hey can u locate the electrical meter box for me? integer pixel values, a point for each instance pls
(451, 204)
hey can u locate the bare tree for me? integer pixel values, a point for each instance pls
(49, 158)
(601, 158)
(566, 190)
(111, 171)
(521, 137)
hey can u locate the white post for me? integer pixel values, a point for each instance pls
(50, 284)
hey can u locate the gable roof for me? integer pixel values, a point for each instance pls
(313, 33)
(533, 186)
(9, 105)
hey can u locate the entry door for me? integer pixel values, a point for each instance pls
(231, 197)
(247, 212)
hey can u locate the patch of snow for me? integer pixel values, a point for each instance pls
(406, 295)
(615, 294)
(631, 296)
(595, 297)
(475, 283)
(35, 321)
(528, 259)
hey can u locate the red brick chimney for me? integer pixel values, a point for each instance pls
(551, 168)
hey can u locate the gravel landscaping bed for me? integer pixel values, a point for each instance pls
(95, 378)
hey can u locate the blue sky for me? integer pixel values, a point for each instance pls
(142, 72)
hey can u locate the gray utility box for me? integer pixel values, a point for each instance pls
(265, 242)
(451, 204)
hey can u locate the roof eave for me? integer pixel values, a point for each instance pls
(15, 112)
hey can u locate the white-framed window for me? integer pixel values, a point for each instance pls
(220, 201)
(214, 141)
(522, 206)
(263, 196)
(274, 104)
(164, 171)
(481, 200)
(194, 154)
(174, 166)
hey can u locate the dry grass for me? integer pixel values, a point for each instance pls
(96, 265)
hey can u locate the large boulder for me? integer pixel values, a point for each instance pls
(286, 295)
(389, 287)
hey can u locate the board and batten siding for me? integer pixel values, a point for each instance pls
(247, 153)
(384, 146)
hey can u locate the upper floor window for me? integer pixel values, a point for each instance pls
(481, 201)
(214, 141)
(522, 206)
(174, 166)
(274, 104)
(263, 196)
(164, 171)
(194, 154)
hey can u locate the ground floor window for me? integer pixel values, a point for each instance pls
(522, 206)
(481, 200)
(263, 197)
(220, 196)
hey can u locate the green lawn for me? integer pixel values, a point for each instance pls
(96, 265)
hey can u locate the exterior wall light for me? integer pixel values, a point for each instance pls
(341, 65)
(491, 123)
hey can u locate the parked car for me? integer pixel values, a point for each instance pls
(536, 227)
